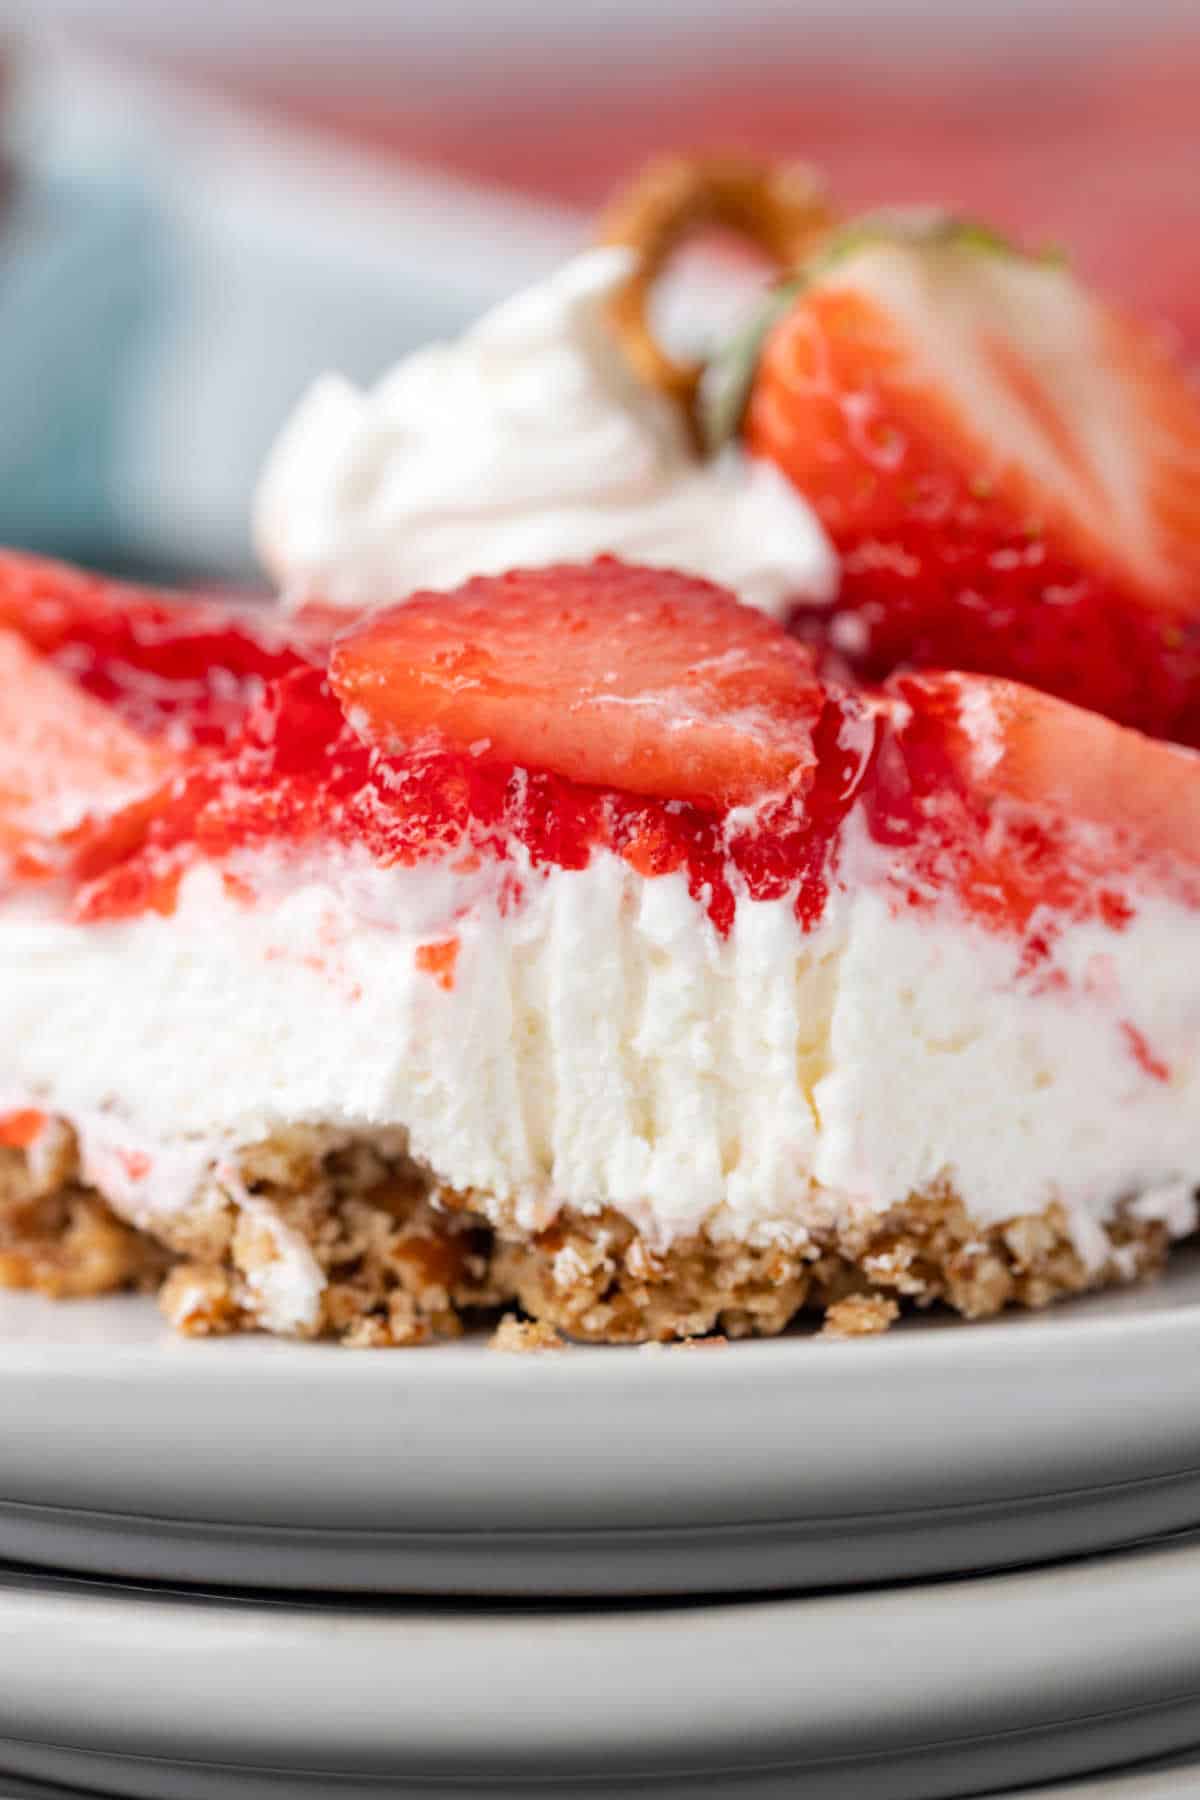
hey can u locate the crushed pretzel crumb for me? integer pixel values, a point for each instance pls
(525, 1337)
(859, 1315)
(200, 1302)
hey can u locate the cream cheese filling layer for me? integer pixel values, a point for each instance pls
(599, 1044)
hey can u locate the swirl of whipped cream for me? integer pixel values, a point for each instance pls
(528, 441)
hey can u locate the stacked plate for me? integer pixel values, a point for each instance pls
(254, 1569)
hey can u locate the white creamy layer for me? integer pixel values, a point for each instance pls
(602, 1045)
(529, 441)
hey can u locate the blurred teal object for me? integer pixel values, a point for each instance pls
(82, 272)
(174, 274)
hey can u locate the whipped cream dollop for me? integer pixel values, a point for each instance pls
(528, 441)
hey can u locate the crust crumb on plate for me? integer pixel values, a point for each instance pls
(525, 1337)
(860, 1315)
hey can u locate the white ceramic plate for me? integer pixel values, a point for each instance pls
(1176, 1778)
(772, 1465)
(908, 1693)
(1173, 1778)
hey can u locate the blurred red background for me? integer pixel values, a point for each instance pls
(1095, 150)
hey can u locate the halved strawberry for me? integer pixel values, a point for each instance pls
(1009, 468)
(1005, 741)
(65, 759)
(612, 675)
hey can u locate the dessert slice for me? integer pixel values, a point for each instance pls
(565, 940)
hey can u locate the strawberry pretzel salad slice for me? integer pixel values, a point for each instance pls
(689, 847)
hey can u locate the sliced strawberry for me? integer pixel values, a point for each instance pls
(170, 664)
(622, 677)
(1010, 469)
(65, 758)
(1004, 741)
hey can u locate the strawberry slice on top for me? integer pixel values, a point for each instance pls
(65, 760)
(1009, 468)
(614, 676)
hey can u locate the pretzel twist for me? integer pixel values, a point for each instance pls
(780, 208)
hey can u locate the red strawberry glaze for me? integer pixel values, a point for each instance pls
(935, 595)
(191, 686)
(299, 775)
(273, 761)
(1018, 867)
(171, 666)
